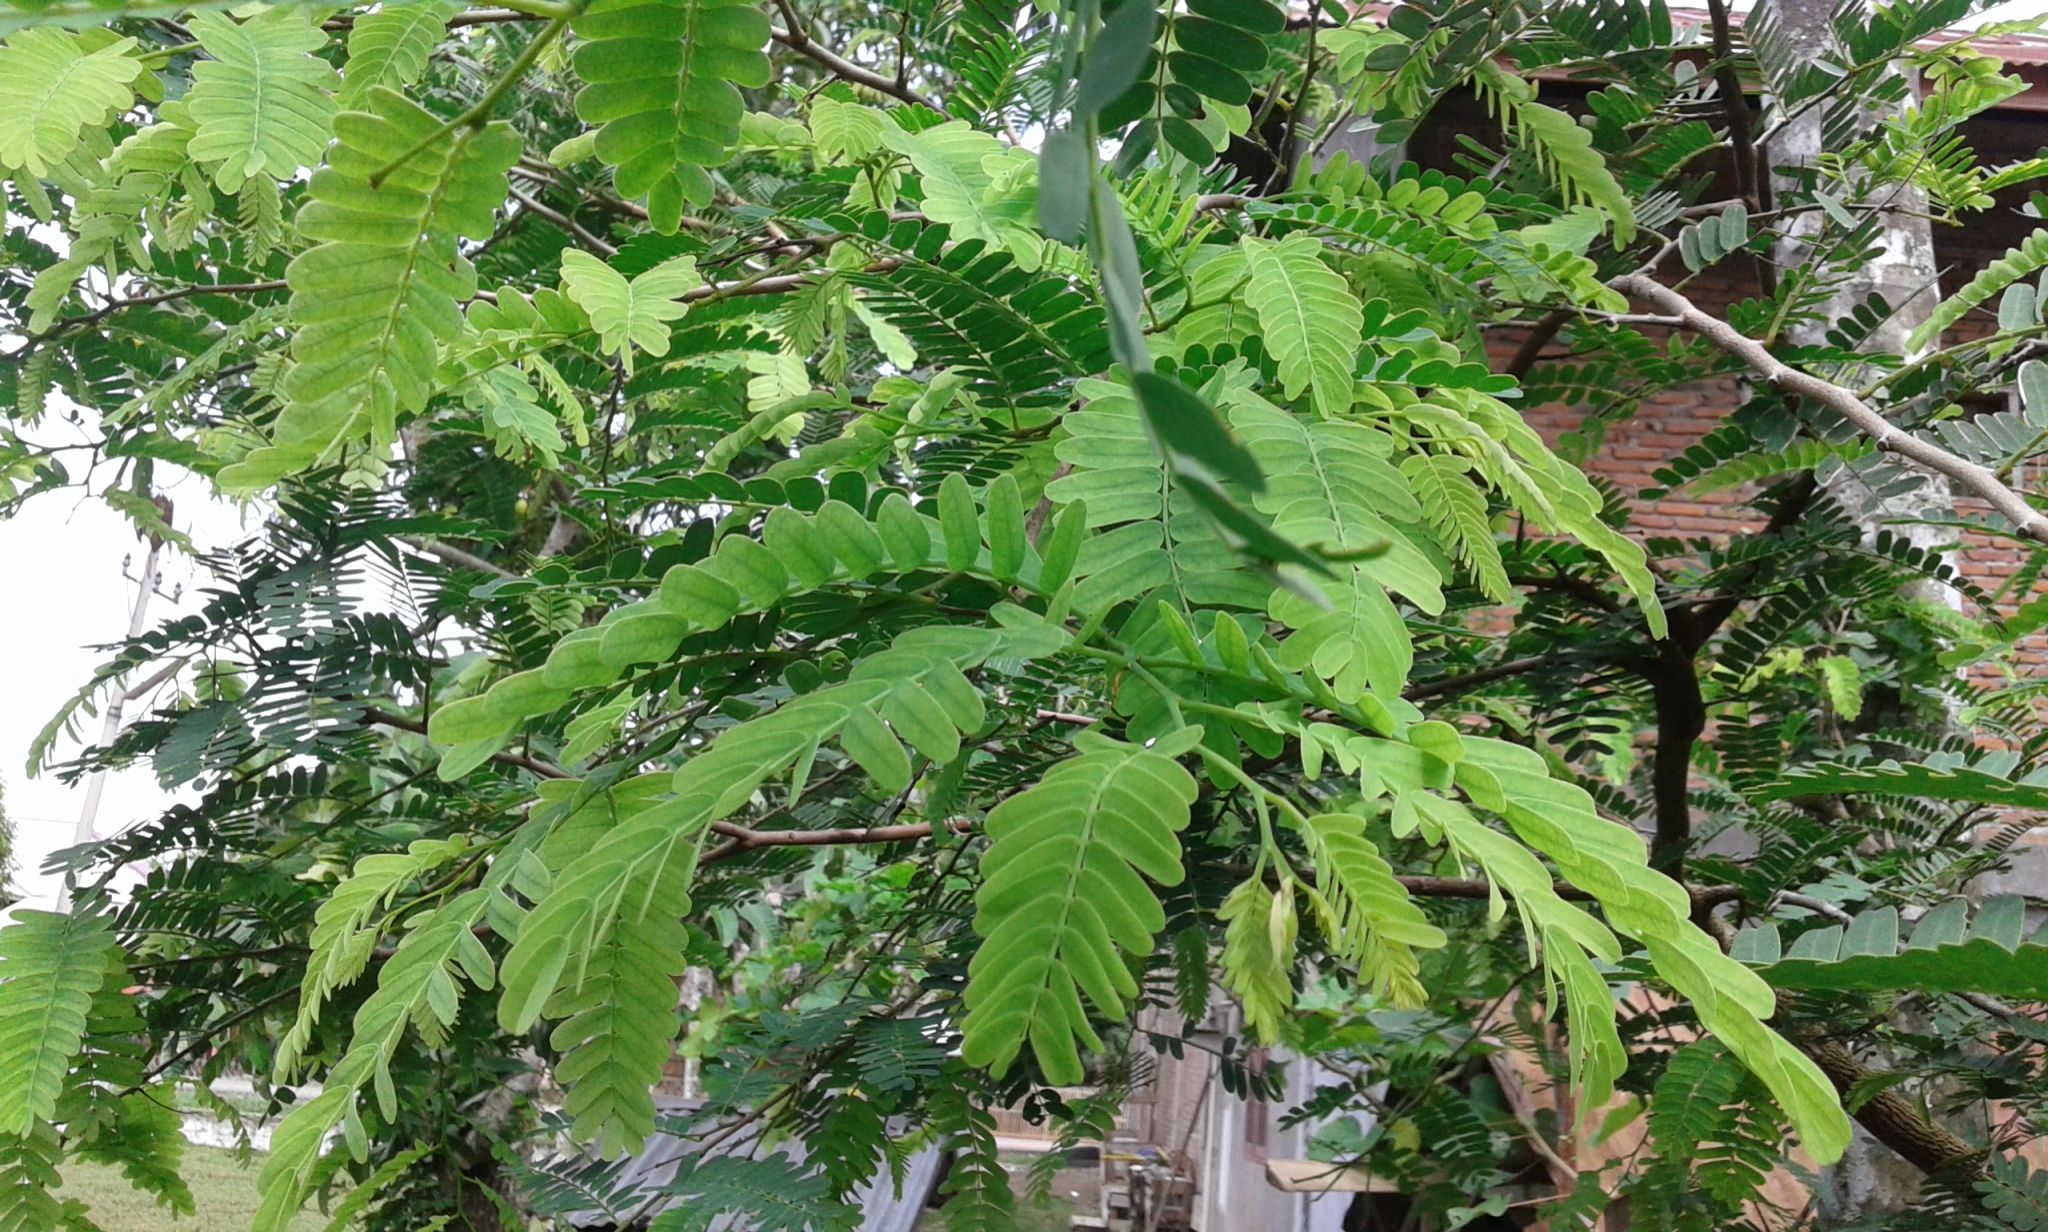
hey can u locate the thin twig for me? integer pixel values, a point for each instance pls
(566, 223)
(477, 116)
(798, 40)
(455, 556)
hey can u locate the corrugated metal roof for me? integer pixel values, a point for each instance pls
(885, 1206)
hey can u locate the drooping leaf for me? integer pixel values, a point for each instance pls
(1064, 899)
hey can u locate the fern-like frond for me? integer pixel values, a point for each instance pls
(371, 302)
(1258, 954)
(618, 1026)
(1158, 541)
(796, 554)
(1950, 950)
(1371, 920)
(52, 88)
(264, 102)
(2028, 259)
(418, 985)
(661, 82)
(50, 967)
(345, 931)
(772, 1195)
(390, 47)
(1334, 484)
(1610, 861)
(1064, 901)
(1311, 322)
(1455, 509)
(913, 692)
(30, 1182)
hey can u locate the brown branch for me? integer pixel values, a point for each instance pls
(798, 40)
(164, 297)
(1893, 1120)
(1585, 590)
(742, 839)
(473, 17)
(1681, 711)
(1531, 350)
(1473, 679)
(1979, 481)
(566, 223)
(1728, 84)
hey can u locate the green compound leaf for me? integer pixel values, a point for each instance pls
(51, 89)
(50, 967)
(264, 102)
(1948, 951)
(661, 80)
(629, 315)
(1064, 901)
(372, 303)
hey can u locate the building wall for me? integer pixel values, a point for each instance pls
(1227, 1138)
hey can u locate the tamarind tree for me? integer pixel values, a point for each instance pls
(953, 524)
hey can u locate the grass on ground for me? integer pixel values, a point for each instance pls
(222, 1189)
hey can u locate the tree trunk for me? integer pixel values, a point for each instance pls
(1871, 1179)
(1902, 271)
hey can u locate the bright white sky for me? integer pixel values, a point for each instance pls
(62, 561)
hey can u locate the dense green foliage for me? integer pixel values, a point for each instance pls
(967, 531)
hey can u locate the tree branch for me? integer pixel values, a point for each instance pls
(566, 223)
(1728, 84)
(1539, 336)
(1979, 481)
(455, 556)
(163, 297)
(1892, 1119)
(1473, 679)
(798, 40)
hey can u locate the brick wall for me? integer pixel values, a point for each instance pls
(1632, 450)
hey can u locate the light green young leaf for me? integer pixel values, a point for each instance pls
(1311, 321)
(51, 88)
(846, 132)
(346, 929)
(1370, 919)
(264, 102)
(512, 415)
(631, 315)
(1258, 955)
(973, 183)
(1843, 681)
(390, 46)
